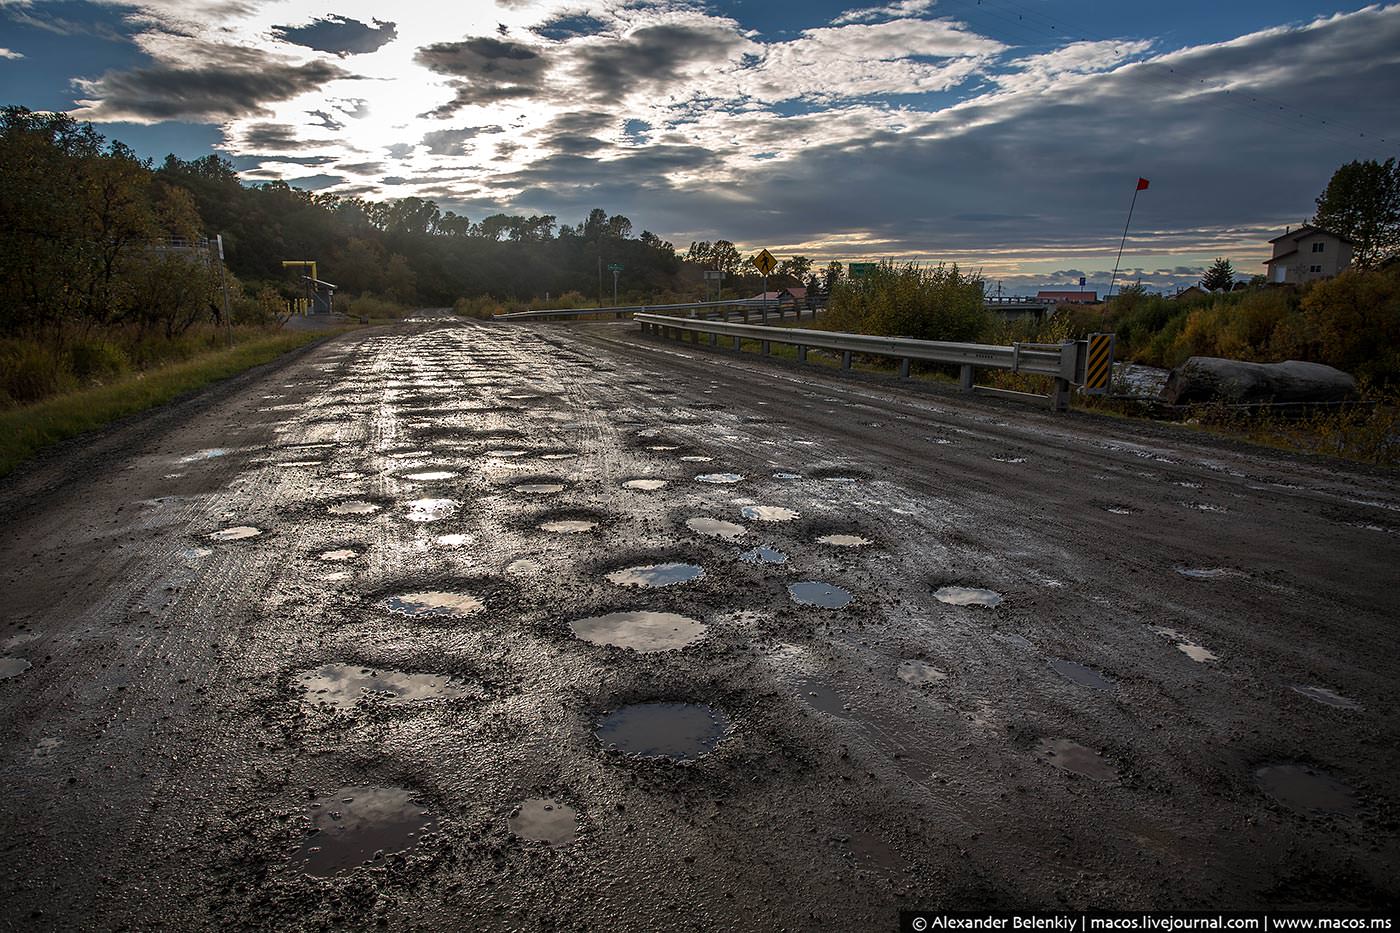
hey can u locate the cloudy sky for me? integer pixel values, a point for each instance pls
(1006, 135)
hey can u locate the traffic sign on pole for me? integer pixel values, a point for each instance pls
(764, 262)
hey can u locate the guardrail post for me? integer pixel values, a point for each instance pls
(904, 368)
(1059, 396)
(738, 344)
(764, 347)
(965, 377)
(714, 340)
(845, 359)
(801, 353)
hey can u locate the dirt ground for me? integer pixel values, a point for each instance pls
(297, 653)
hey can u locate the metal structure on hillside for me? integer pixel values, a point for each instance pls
(320, 296)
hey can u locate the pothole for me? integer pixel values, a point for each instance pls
(645, 485)
(679, 731)
(654, 575)
(13, 667)
(356, 825)
(560, 455)
(1076, 758)
(787, 475)
(768, 513)
(434, 603)
(715, 528)
(763, 555)
(721, 479)
(816, 593)
(568, 526)
(1186, 646)
(920, 673)
(430, 510)
(1306, 789)
(453, 540)
(431, 476)
(1080, 674)
(538, 489)
(843, 540)
(967, 596)
(507, 453)
(236, 533)
(342, 686)
(696, 458)
(542, 819)
(353, 507)
(644, 631)
(339, 554)
(1326, 697)
(1208, 573)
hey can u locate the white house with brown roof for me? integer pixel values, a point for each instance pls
(1306, 254)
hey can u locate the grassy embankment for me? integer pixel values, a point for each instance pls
(27, 429)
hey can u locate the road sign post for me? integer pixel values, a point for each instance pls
(764, 263)
(615, 268)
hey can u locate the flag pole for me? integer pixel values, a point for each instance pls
(1141, 184)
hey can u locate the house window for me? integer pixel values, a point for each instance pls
(1317, 247)
(1314, 268)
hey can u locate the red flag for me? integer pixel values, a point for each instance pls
(1142, 184)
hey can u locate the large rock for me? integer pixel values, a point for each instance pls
(1208, 379)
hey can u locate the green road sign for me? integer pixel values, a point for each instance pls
(614, 267)
(859, 270)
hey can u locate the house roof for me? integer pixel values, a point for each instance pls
(1269, 262)
(1308, 229)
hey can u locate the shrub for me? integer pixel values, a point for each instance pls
(96, 360)
(938, 303)
(30, 371)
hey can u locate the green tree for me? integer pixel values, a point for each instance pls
(1219, 277)
(1362, 203)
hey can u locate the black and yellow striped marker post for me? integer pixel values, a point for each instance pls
(1098, 370)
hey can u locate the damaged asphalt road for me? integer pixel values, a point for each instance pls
(461, 626)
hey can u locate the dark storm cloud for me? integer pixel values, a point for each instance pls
(270, 137)
(454, 142)
(229, 82)
(360, 168)
(325, 120)
(339, 35)
(487, 69)
(653, 55)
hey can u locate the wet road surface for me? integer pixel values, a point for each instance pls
(461, 626)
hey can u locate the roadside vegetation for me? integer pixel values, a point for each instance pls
(26, 430)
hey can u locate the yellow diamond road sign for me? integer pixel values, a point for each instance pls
(765, 262)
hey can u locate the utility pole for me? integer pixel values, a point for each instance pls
(614, 272)
(223, 285)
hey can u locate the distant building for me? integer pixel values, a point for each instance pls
(1194, 291)
(1068, 298)
(1307, 254)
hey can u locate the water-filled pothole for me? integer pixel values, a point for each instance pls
(1326, 696)
(920, 673)
(967, 596)
(1186, 646)
(538, 489)
(339, 554)
(840, 540)
(768, 513)
(542, 819)
(434, 603)
(430, 510)
(656, 575)
(1076, 758)
(696, 458)
(353, 507)
(13, 667)
(568, 526)
(1080, 674)
(342, 686)
(1305, 789)
(715, 528)
(1208, 573)
(645, 485)
(816, 593)
(236, 533)
(431, 476)
(721, 479)
(356, 825)
(641, 630)
(680, 731)
(764, 555)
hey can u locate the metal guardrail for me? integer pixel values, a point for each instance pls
(1063, 362)
(634, 309)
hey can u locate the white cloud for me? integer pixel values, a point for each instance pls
(10, 54)
(898, 10)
